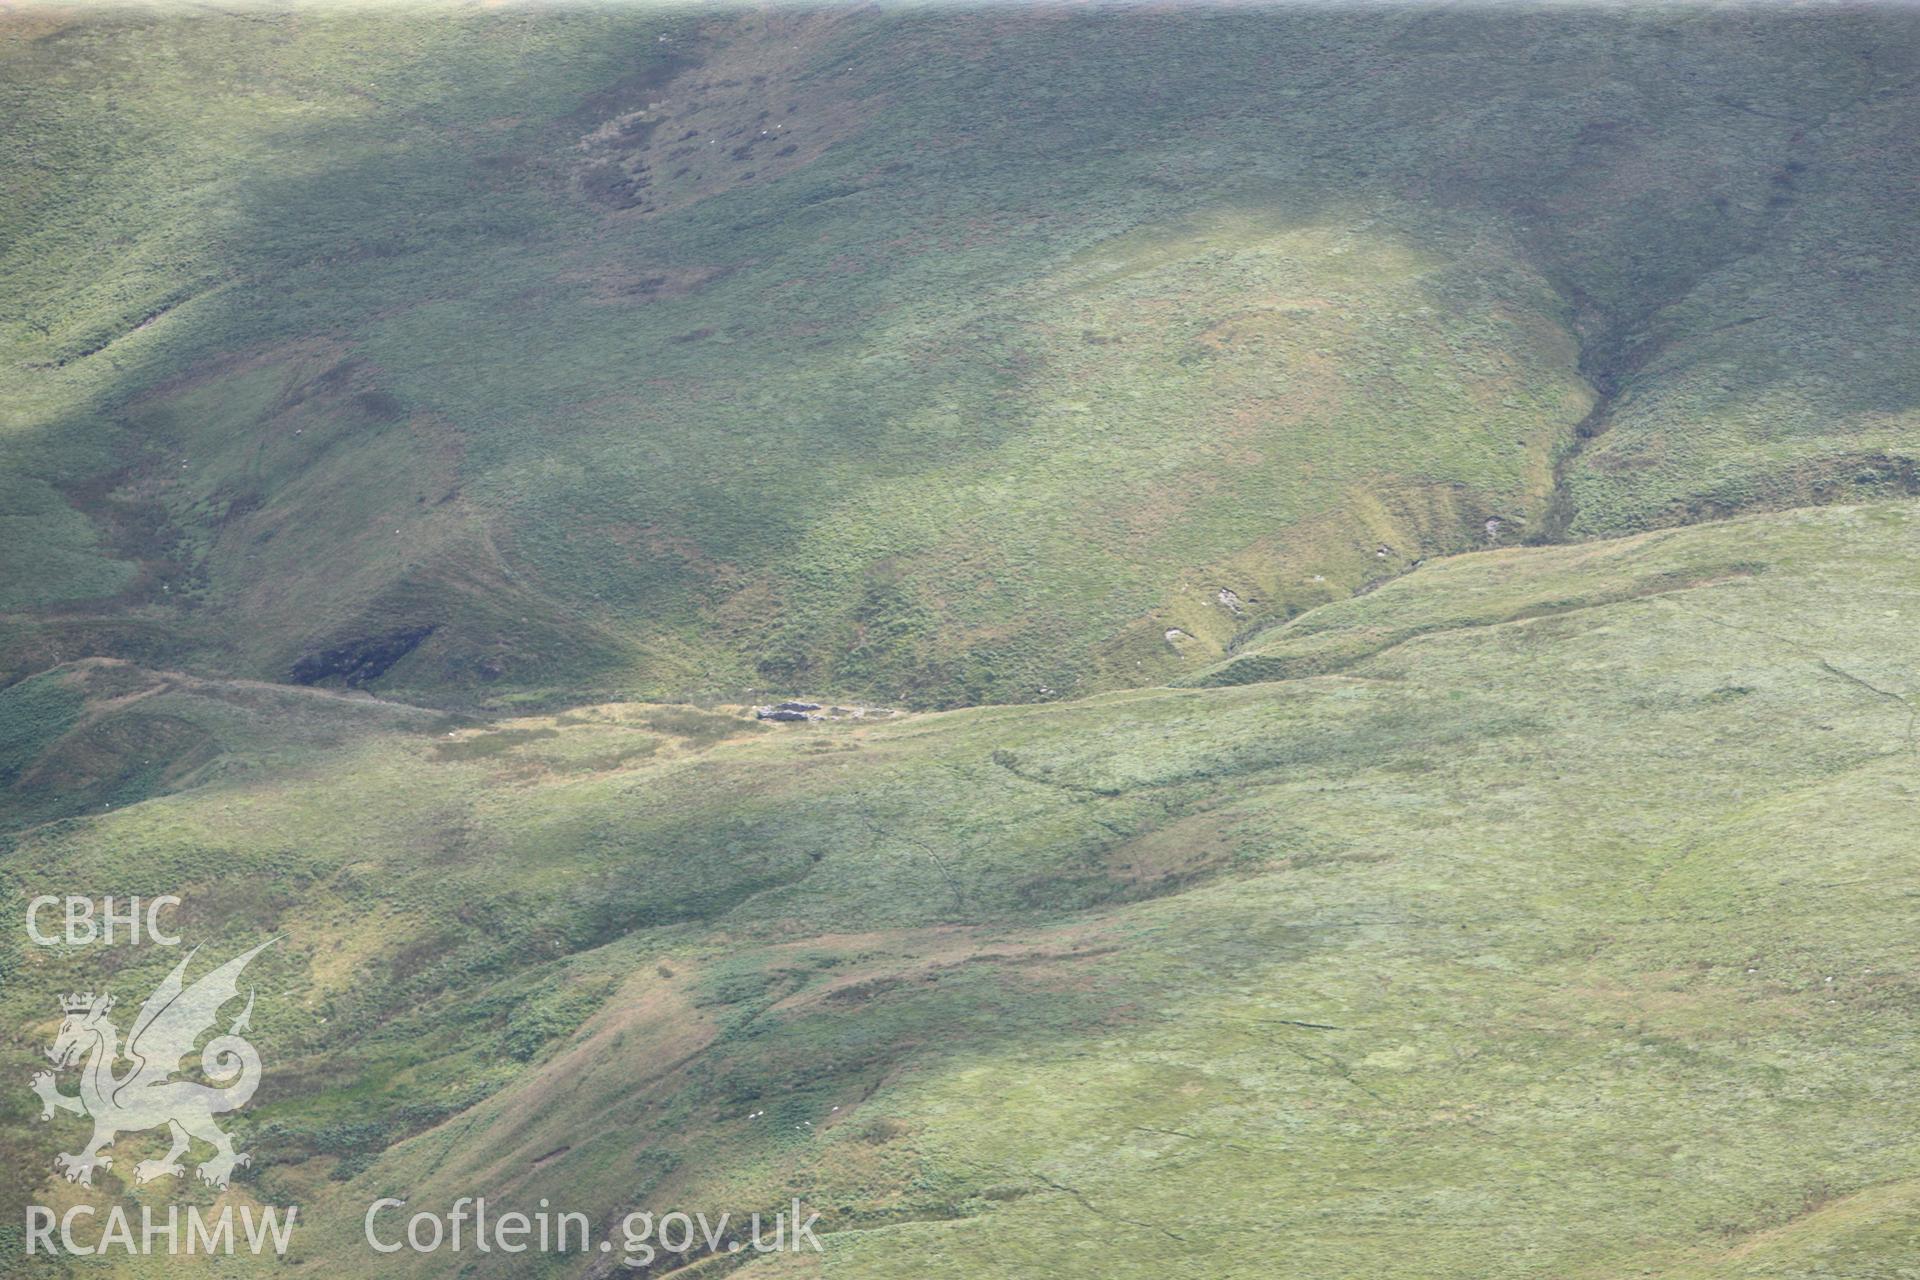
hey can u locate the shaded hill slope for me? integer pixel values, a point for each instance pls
(937, 356)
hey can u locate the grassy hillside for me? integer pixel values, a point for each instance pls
(1366, 554)
(1565, 929)
(933, 356)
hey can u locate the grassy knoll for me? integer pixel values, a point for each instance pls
(1560, 926)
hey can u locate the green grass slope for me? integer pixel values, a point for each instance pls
(941, 356)
(1556, 920)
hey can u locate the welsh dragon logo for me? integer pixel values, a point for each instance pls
(146, 1095)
